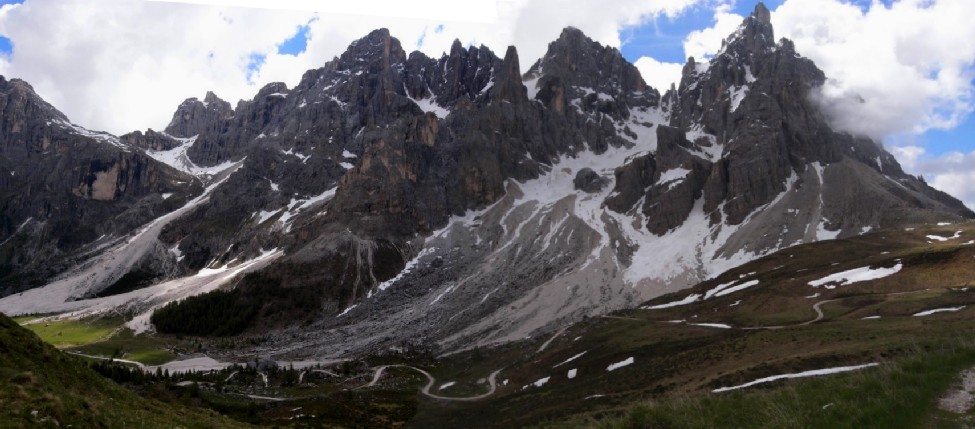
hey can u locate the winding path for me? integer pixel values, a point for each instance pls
(817, 307)
(492, 382)
(554, 336)
(819, 312)
(321, 371)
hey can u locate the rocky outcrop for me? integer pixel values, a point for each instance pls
(587, 180)
(151, 140)
(194, 117)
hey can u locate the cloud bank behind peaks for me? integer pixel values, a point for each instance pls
(907, 68)
(903, 68)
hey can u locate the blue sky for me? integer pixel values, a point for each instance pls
(5, 46)
(297, 43)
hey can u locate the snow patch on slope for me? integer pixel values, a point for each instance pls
(625, 362)
(938, 310)
(428, 105)
(736, 95)
(99, 136)
(856, 275)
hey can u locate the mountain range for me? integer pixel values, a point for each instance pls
(394, 200)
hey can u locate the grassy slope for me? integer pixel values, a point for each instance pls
(678, 364)
(898, 395)
(101, 337)
(150, 350)
(43, 387)
(71, 333)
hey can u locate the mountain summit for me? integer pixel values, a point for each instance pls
(449, 202)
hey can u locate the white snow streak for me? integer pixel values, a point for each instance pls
(625, 362)
(694, 297)
(711, 325)
(938, 310)
(940, 238)
(812, 373)
(570, 359)
(429, 106)
(737, 94)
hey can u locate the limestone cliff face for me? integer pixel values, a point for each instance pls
(63, 187)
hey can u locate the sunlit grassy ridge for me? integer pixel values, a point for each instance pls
(69, 333)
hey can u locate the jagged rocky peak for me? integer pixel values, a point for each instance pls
(754, 36)
(273, 89)
(577, 70)
(377, 49)
(712, 92)
(461, 74)
(193, 116)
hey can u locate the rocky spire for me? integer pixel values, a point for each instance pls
(508, 84)
(465, 72)
(754, 36)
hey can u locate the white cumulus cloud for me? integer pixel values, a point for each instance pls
(118, 65)
(704, 43)
(903, 68)
(659, 75)
(952, 172)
